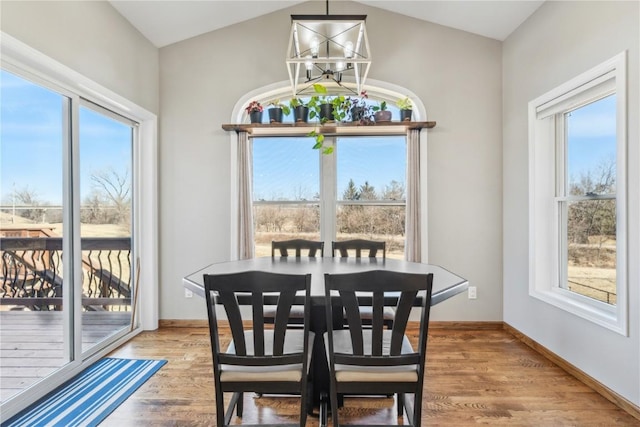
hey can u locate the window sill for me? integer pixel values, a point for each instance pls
(594, 311)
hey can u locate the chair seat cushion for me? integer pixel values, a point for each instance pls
(354, 373)
(293, 343)
(366, 312)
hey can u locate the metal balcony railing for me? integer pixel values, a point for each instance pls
(31, 273)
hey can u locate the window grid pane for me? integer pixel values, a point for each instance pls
(588, 212)
(284, 222)
(591, 148)
(367, 174)
(381, 223)
(286, 191)
(285, 169)
(371, 170)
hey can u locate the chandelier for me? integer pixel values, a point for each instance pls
(328, 49)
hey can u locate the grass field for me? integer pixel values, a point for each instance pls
(592, 269)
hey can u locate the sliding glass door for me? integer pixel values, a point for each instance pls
(105, 171)
(33, 313)
(67, 270)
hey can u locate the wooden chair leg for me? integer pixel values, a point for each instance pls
(220, 409)
(240, 405)
(417, 409)
(334, 408)
(303, 410)
(400, 404)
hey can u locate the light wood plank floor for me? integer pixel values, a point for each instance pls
(474, 377)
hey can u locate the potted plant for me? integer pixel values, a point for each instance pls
(300, 110)
(406, 109)
(341, 107)
(360, 110)
(277, 110)
(313, 105)
(381, 113)
(320, 105)
(254, 110)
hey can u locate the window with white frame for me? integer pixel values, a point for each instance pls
(577, 148)
(358, 191)
(286, 191)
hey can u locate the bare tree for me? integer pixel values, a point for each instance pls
(270, 218)
(306, 218)
(301, 193)
(116, 188)
(592, 222)
(394, 191)
(28, 197)
(94, 209)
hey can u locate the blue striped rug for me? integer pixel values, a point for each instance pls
(90, 396)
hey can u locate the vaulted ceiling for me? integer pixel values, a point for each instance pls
(166, 22)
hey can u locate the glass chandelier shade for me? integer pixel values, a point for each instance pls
(325, 49)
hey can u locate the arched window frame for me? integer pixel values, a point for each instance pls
(376, 90)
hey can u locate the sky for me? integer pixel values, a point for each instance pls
(31, 135)
(592, 136)
(288, 168)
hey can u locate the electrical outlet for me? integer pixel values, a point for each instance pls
(188, 293)
(472, 292)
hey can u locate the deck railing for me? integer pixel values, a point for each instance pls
(31, 273)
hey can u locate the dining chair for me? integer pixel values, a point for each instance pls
(297, 245)
(358, 245)
(377, 360)
(373, 249)
(270, 360)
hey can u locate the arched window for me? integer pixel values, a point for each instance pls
(356, 191)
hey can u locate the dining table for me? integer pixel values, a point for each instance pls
(445, 285)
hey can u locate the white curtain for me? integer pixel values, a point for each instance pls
(412, 249)
(246, 248)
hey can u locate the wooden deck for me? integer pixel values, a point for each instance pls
(31, 343)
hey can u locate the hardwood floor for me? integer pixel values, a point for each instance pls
(473, 377)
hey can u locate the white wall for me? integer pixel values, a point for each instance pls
(91, 38)
(456, 74)
(560, 41)
(92, 50)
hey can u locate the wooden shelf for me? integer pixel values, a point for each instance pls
(329, 128)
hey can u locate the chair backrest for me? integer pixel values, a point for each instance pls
(377, 289)
(297, 245)
(358, 245)
(256, 289)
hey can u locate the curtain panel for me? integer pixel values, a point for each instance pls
(246, 248)
(412, 248)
